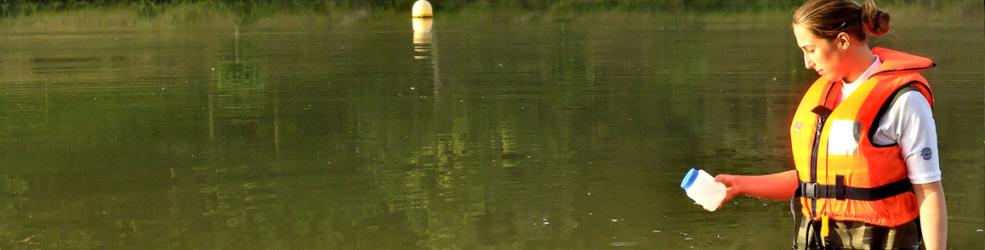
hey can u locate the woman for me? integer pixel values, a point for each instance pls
(864, 141)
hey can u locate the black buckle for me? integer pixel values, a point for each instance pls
(840, 190)
(808, 190)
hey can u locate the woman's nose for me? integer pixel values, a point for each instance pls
(808, 63)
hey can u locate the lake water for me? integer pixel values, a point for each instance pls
(510, 130)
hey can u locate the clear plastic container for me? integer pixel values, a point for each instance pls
(703, 189)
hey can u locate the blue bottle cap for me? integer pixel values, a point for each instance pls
(689, 178)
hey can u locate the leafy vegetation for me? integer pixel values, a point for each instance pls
(153, 7)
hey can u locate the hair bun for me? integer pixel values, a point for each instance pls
(875, 21)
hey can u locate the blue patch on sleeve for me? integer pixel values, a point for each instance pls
(926, 153)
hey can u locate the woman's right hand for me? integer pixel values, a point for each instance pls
(732, 188)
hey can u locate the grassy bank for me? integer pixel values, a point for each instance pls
(154, 7)
(159, 13)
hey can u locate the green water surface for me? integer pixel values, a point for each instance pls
(497, 130)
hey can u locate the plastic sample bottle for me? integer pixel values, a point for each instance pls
(703, 189)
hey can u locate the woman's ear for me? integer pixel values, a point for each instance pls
(842, 41)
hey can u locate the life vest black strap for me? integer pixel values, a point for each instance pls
(842, 192)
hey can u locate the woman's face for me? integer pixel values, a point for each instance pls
(820, 54)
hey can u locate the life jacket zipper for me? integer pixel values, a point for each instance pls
(822, 116)
(814, 150)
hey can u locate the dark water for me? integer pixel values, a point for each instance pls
(496, 131)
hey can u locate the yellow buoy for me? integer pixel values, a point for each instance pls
(421, 25)
(422, 8)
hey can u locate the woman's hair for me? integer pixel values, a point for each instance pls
(827, 18)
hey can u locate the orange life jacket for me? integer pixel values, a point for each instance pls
(843, 175)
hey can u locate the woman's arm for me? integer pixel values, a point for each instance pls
(778, 186)
(933, 214)
(910, 123)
